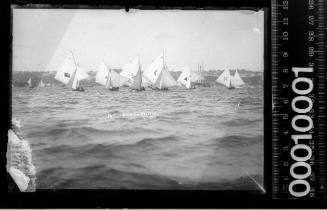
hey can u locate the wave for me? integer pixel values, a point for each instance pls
(233, 141)
(179, 112)
(83, 148)
(154, 141)
(108, 150)
(236, 141)
(240, 122)
(102, 177)
(86, 133)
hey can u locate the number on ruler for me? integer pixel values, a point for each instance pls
(285, 4)
(311, 64)
(285, 21)
(311, 51)
(285, 35)
(311, 35)
(285, 70)
(311, 20)
(311, 4)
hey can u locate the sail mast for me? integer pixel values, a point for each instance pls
(163, 57)
(74, 59)
(75, 83)
(109, 78)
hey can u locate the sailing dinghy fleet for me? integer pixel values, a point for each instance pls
(156, 76)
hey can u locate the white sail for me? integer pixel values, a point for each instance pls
(152, 72)
(102, 74)
(41, 84)
(108, 77)
(66, 71)
(157, 73)
(188, 83)
(164, 80)
(236, 80)
(145, 81)
(75, 83)
(225, 78)
(185, 78)
(80, 74)
(131, 69)
(29, 82)
(115, 79)
(137, 80)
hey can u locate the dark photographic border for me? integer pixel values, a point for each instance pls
(139, 198)
(145, 198)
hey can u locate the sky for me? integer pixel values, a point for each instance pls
(220, 39)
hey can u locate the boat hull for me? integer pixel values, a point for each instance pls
(80, 89)
(162, 89)
(113, 88)
(142, 89)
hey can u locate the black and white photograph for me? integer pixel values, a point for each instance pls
(145, 99)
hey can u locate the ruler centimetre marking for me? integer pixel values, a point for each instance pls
(298, 38)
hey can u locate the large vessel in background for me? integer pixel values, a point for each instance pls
(198, 78)
(158, 75)
(70, 74)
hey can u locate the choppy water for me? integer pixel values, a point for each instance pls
(206, 138)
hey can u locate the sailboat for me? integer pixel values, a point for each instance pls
(29, 83)
(109, 78)
(71, 74)
(230, 81)
(41, 84)
(225, 79)
(157, 73)
(185, 78)
(132, 71)
(236, 80)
